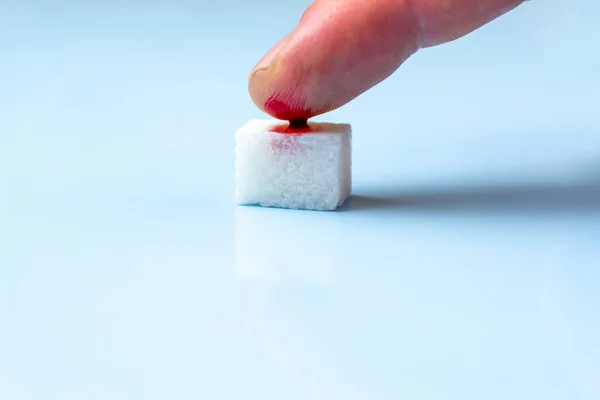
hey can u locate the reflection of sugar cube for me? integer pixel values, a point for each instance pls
(310, 171)
(304, 254)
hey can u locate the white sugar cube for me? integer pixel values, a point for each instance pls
(307, 171)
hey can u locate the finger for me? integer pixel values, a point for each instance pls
(341, 48)
(446, 20)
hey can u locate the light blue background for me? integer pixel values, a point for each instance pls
(467, 266)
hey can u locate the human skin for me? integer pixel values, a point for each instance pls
(342, 48)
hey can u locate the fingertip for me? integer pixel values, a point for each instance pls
(339, 50)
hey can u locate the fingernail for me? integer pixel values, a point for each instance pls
(269, 65)
(261, 76)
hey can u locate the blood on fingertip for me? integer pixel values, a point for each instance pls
(298, 120)
(284, 112)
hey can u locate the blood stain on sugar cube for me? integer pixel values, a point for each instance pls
(287, 142)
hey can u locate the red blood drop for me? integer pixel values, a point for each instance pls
(281, 110)
(293, 128)
(287, 142)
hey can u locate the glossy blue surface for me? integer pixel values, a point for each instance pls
(467, 266)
